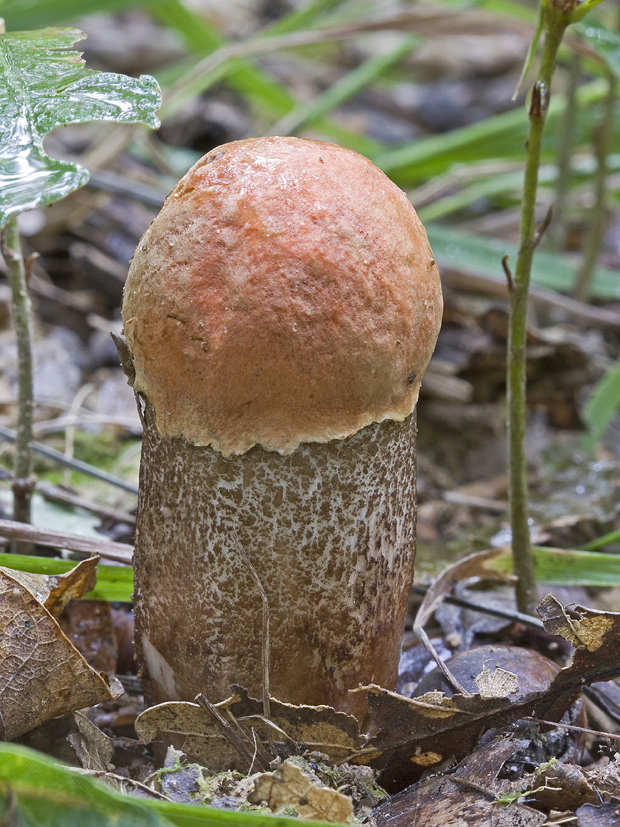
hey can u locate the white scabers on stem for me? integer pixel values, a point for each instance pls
(280, 313)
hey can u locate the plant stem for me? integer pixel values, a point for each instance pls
(565, 151)
(601, 140)
(556, 20)
(23, 480)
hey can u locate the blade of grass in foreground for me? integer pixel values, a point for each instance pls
(553, 566)
(43, 792)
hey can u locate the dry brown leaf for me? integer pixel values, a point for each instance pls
(42, 675)
(464, 798)
(415, 733)
(54, 591)
(475, 565)
(189, 728)
(602, 815)
(290, 786)
(93, 747)
(497, 684)
(581, 627)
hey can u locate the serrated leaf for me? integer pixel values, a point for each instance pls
(44, 84)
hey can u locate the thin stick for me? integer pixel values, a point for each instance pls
(119, 552)
(23, 481)
(565, 150)
(573, 728)
(602, 141)
(266, 641)
(77, 464)
(229, 733)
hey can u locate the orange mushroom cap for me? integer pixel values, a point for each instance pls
(285, 293)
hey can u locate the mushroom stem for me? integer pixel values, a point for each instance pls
(330, 532)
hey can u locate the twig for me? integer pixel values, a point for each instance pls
(495, 611)
(544, 226)
(56, 494)
(119, 552)
(573, 728)
(602, 141)
(229, 733)
(480, 282)
(565, 149)
(508, 273)
(23, 482)
(76, 464)
(266, 640)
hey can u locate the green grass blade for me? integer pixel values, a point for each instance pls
(500, 136)
(255, 84)
(557, 567)
(460, 250)
(344, 89)
(113, 582)
(54, 796)
(602, 406)
(51, 795)
(605, 540)
(20, 15)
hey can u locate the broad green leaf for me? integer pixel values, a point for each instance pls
(48, 794)
(43, 85)
(602, 406)
(482, 255)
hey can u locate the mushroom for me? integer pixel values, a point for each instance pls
(280, 312)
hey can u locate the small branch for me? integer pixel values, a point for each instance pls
(76, 464)
(266, 641)
(565, 150)
(544, 226)
(266, 648)
(508, 273)
(23, 482)
(119, 552)
(555, 20)
(602, 141)
(229, 733)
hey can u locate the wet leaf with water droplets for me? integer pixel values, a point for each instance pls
(43, 85)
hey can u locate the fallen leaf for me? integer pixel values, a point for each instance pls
(602, 815)
(54, 591)
(290, 786)
(410, 732)
(467, 796)
(93, 747)
(42, 675)
(496, 684)
(188, 727)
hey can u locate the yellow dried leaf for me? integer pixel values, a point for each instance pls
(290, 786)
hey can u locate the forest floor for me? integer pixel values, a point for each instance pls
(529, 772)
